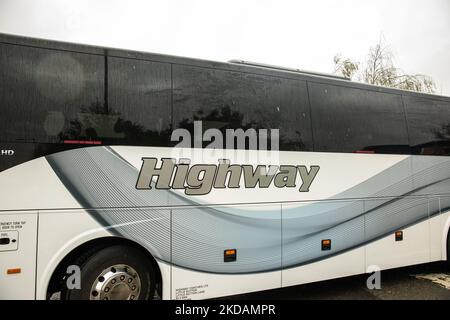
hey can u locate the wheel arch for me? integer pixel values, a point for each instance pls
(445, 236)
(447, 245)
(57, 277)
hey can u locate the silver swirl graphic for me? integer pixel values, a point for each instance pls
(275, 237)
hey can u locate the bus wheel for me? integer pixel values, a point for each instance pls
(117, 272)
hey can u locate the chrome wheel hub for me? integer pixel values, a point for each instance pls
(118, 282)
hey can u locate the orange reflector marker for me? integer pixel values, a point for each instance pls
(14, 271)
(326, 244)
(229, 255)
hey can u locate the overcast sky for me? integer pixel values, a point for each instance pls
(299, 34)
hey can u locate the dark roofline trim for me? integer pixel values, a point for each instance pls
(224, 66)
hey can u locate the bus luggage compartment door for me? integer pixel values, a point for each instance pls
(225, 250)
(17, 254)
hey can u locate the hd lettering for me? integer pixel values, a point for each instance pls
(199, 179)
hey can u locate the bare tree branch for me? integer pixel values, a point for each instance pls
(379, 70)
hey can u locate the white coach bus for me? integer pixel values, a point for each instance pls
(96, 203)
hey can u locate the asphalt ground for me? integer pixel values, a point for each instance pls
(420, 282)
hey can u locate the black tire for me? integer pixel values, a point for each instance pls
(94, 262)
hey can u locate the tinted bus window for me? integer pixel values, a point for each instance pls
(139, 103)
(355, 120)
(51, 96)
(232, 100)
(42, 90)
(428, 125)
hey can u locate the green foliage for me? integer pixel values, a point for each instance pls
(345, 66)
